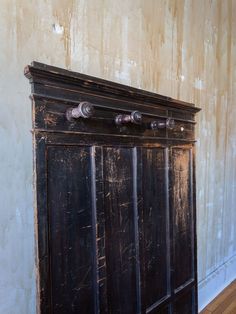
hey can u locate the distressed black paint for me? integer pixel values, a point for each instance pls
(71, 230)
(155, 226)
(115, 204)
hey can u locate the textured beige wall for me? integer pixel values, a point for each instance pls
(181, 48)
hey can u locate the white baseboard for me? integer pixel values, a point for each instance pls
(214, 283)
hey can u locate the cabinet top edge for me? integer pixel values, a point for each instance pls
(40, 71)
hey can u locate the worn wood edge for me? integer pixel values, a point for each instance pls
(194, 213)
(167, 139)
(55, 74)
(36, 251)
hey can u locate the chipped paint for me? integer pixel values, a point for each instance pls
(181, 48)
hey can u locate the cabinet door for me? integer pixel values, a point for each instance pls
(105, 234)
(137, 229)
(71, 227)
(88, 229)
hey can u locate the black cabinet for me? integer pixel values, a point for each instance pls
(114, 197)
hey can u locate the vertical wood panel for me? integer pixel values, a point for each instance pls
(42, 230)
(120, 230)
(182, 214)
(154, 227)
(71, 237)
(185, 304)
(98, 203)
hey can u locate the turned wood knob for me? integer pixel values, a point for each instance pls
(169, 124)
(84, 110)
(135, 117)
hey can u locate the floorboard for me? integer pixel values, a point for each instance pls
(224, 303)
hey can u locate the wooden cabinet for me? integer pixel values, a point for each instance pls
(114, 197)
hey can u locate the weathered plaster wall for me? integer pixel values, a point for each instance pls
(182, 48)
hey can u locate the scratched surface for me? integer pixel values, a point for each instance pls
(184, 49)
(121, 262)
(71, 232)
(182, 215)
(155, 254)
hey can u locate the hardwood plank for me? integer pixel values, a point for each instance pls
(221, 297)
(231, 309)
(224, 305)
(224, 302)
(205, 311)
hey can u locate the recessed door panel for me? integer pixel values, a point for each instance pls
(110, 229)
(185, 304)
(71, 230)
(120, 215)
(182, 211)
(154, 227)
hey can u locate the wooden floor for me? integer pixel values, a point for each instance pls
(224, 303)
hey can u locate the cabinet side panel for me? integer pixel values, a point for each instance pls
(41, 226)
(71, 230)
(120, 230)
